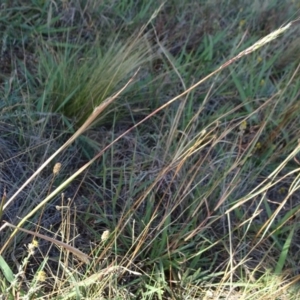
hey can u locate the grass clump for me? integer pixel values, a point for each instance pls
(196, 199)
(76, 80)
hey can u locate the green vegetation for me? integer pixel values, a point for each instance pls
(149, 150)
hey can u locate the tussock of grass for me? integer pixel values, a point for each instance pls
(76, 80)
(196, 200)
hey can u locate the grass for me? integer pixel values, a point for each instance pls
(149, 150)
